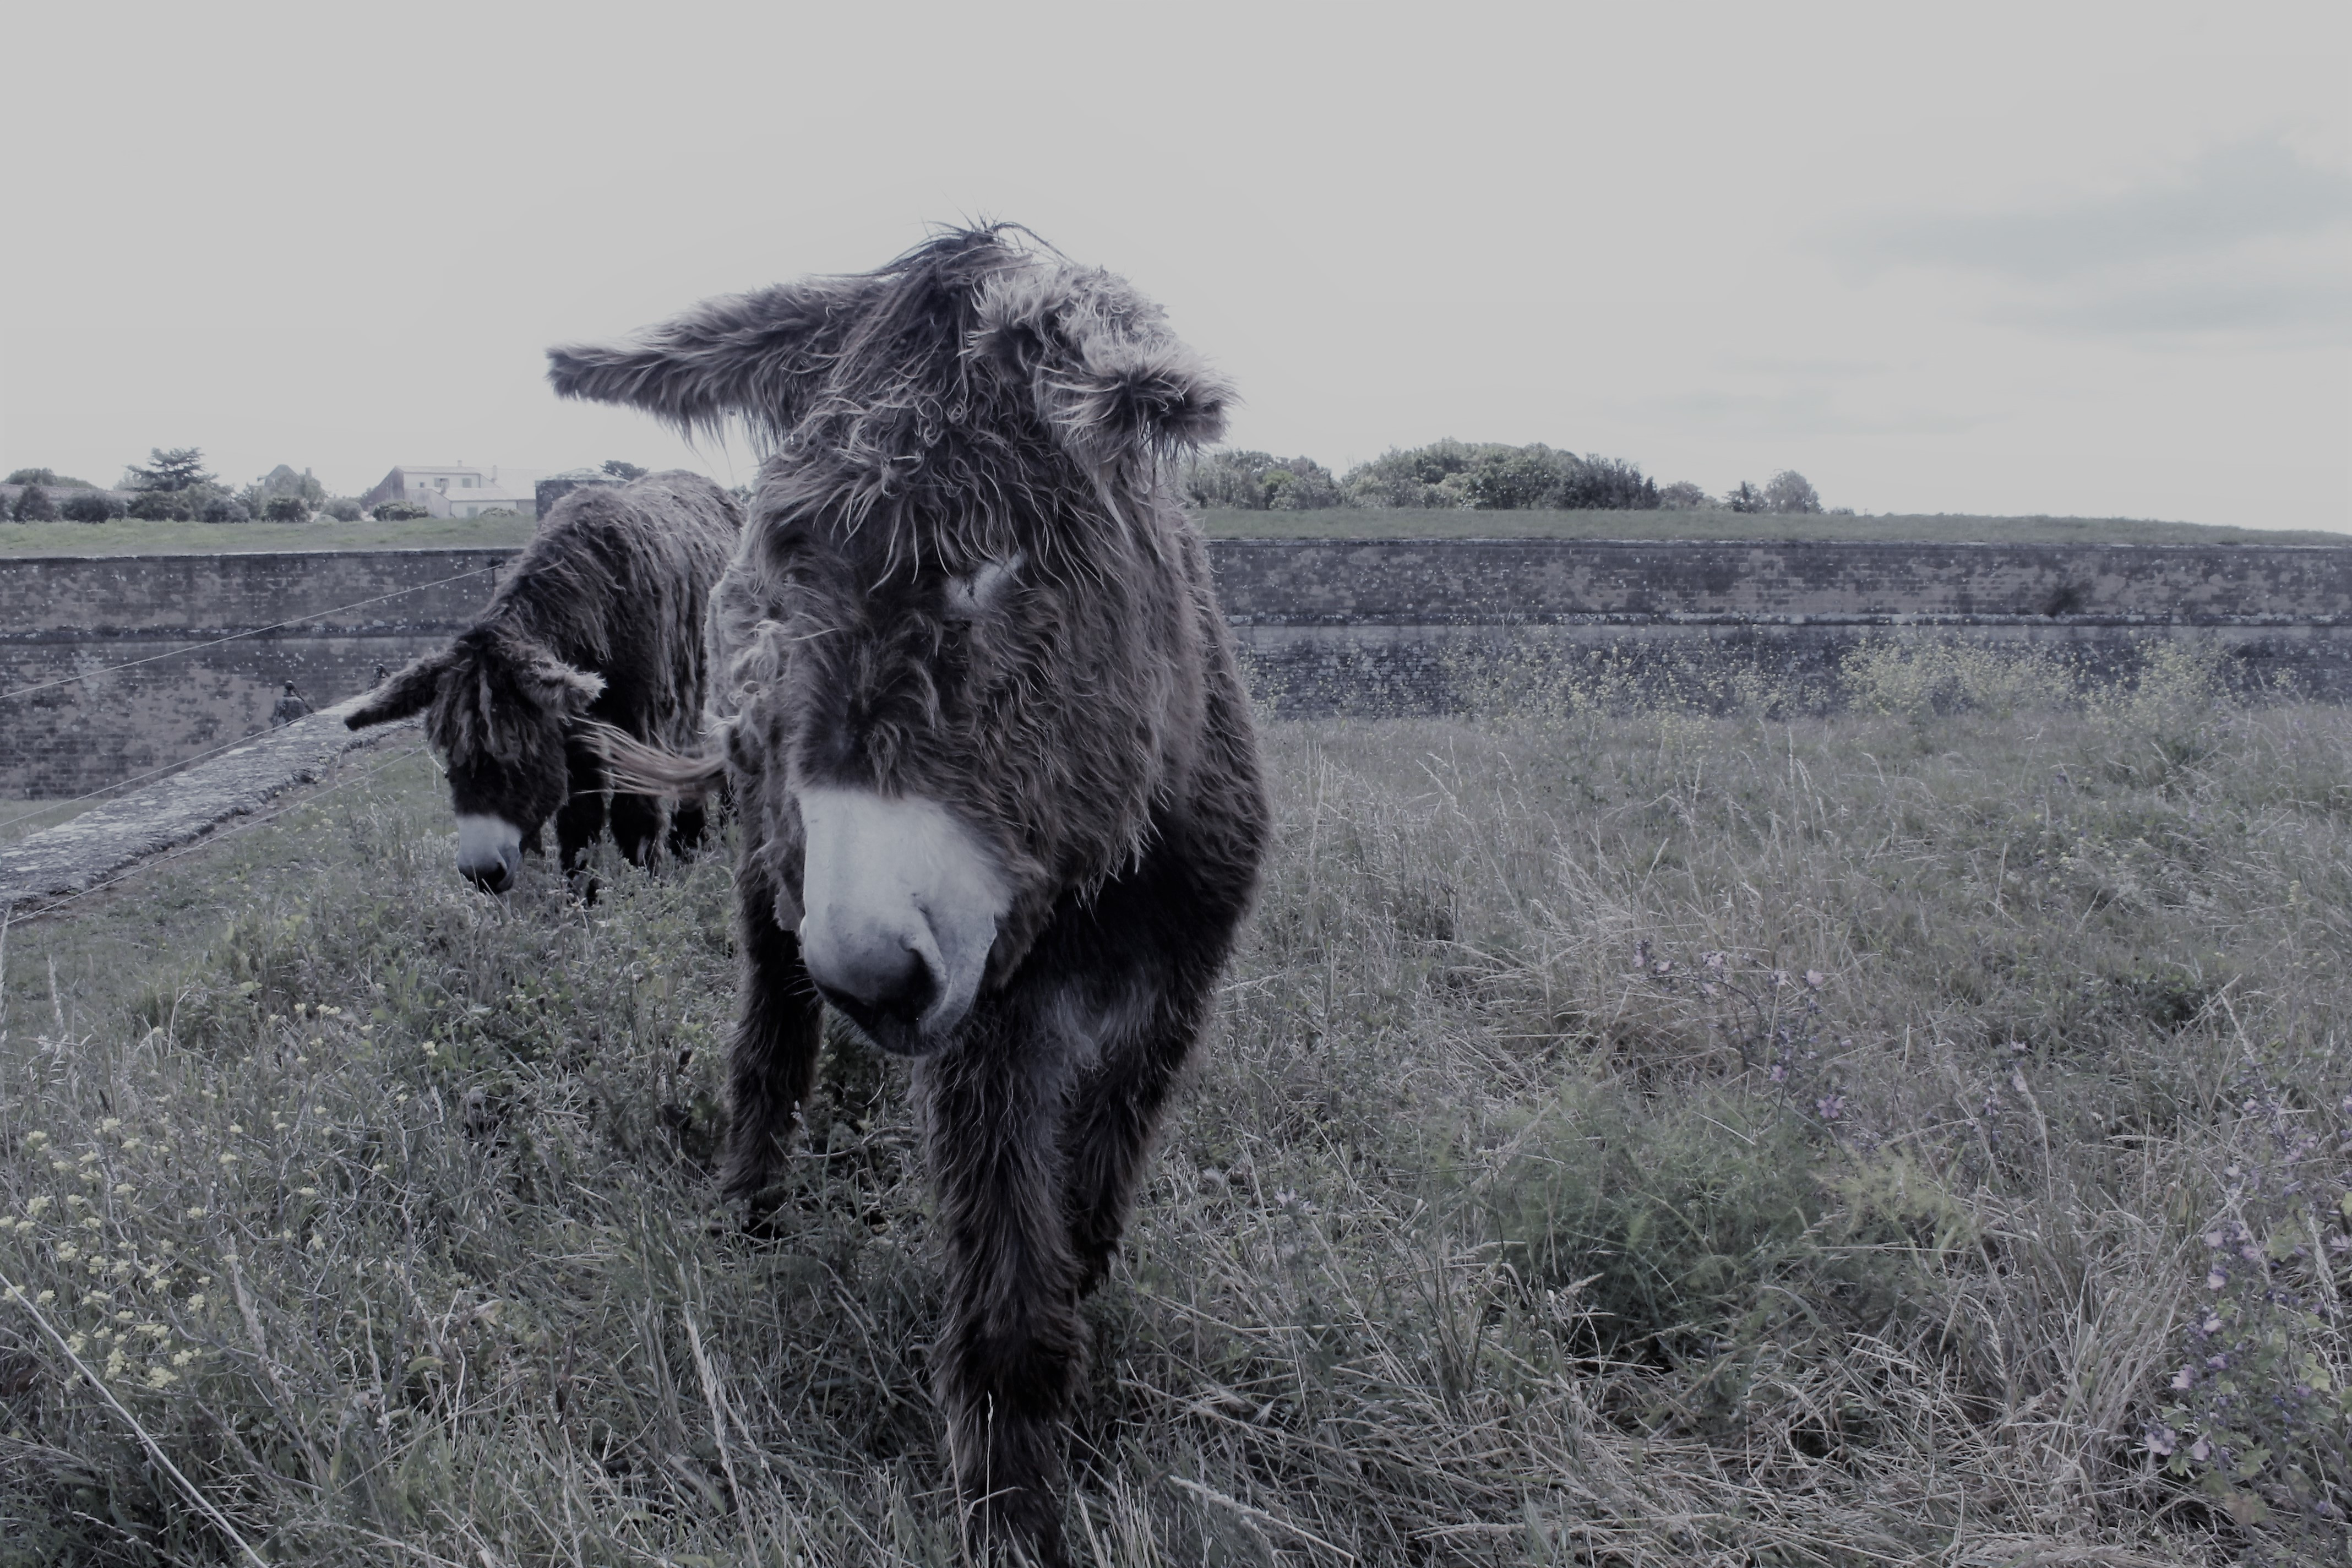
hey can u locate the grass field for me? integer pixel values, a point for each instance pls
(1626, 1139)
(129, 537)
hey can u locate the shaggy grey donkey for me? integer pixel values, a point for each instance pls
(998, 780)
(601, 620)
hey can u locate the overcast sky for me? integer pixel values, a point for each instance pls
(2091, 260)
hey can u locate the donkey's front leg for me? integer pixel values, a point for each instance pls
(772, 1068)
(1009, 1352)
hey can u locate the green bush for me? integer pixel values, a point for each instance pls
(1489, 477)
(286, 509)
(90, 506)
(162, 506)
(1669, 1232)
(50, 477)
(342, 508)
(34, 505)
(1257, 481)
(399, 512)
(1789, 493)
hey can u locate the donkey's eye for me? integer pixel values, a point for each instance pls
(978, 591)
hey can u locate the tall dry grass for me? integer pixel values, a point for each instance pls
(1629, 1137)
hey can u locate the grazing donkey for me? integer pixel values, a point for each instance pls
(997, 771)
(601, 620)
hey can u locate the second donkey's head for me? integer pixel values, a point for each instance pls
(498, 708)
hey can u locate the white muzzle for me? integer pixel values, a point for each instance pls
(490, 852)
(899, 907)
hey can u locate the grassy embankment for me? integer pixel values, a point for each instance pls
(1625, 1138)
(133, 538)
(1367, 524)
(129, 536)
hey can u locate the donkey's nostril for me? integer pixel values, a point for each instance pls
(885, 994)
(888, 981)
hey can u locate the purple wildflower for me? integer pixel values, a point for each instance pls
(2215, 1279)
(2184, 1379)
(1831, 1106)
(2161, 1440)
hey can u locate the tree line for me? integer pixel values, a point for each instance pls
(1442, 476)
(175, 486)
(1471, 475)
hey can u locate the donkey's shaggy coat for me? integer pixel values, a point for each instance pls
(601, 619)
(999, 784)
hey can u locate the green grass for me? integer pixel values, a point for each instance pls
(1627, 1137)
(129, 536)
(1387, 523)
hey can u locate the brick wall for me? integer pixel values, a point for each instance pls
(1326, 625)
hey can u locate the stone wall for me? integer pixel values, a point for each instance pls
(1348, 626)
(120, 666)
(1326, 625)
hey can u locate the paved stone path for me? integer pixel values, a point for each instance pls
(106, 841)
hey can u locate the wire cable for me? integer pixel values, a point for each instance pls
(43, 904)
(187, 761)
(253, 632)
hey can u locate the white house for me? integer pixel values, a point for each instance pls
(455, 491)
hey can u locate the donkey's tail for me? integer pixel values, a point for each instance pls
(643, 769)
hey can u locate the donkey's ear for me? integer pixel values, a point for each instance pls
(1108, 376)
(409, 692)
(753, 355)
(562, 688)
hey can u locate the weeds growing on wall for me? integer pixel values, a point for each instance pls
(1636, 1132)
